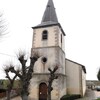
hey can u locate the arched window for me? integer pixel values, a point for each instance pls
(45, 35)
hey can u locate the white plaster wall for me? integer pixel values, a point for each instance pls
(62, 86)
(54, 51)
(34, 89)
(51, 41)
(62, 45)
(73, 78)
(55, 56)
(54, 37)
(59, 86)
(83, 83)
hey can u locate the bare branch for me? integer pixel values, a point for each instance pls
(10, 68)
(50, 70)
(15, 72)
(36, 54)
(21, 53)
(14, 78)
(3, 26)
(25, 73)
(55, 68)
(7, 76)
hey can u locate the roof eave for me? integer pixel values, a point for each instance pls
(50, 25)
(62, 30)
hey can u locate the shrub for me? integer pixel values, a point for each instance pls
(2, 93)
(98, 99)
(70, 97)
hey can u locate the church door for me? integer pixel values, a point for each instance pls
(43, 91)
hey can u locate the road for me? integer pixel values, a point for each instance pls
(91, 95)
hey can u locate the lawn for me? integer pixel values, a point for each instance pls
(98, 99)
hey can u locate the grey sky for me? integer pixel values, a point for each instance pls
(80, 20)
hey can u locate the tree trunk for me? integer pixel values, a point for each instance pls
(49, 92)
(49, 96)
(8, 94)
(24, 97)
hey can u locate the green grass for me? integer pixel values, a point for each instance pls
(98, 99)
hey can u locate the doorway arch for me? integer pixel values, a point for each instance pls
(43, 91)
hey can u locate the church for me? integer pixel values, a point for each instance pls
(48, 40)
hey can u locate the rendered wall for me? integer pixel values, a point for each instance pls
(83, 83)
(73, 78)
(59, 86)
(54, 37)
(54, 56)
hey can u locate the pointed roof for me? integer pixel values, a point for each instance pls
(50, 13)
(49, 17)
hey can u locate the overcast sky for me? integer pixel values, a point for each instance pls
(80, 20)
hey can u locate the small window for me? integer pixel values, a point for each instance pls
(45, 35)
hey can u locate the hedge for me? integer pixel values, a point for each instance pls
(70, 97)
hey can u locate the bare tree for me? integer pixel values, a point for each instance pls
(51, 79)
(11, 81)
(25, 74)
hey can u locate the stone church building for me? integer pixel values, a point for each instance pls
(48, 40)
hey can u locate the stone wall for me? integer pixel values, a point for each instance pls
(54, 55)
(59, 86)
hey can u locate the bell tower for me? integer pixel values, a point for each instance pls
(48, 40)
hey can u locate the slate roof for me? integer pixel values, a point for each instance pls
(50, 13)
(49, 17)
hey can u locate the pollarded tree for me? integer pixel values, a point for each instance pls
(52, 77)
(25, 74)
(10, 80)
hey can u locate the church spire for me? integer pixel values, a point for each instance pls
(49, 17)
(50, 13)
